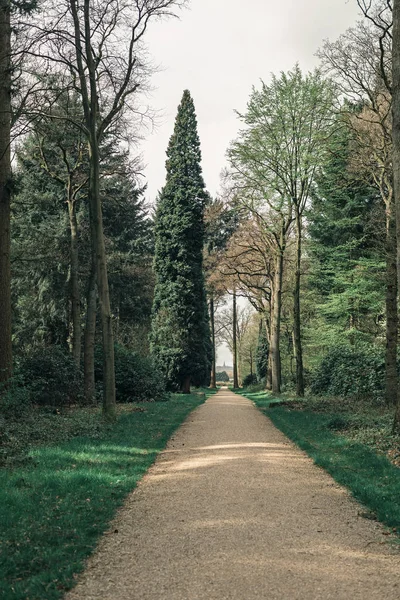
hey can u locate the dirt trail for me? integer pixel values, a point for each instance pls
(233, 510)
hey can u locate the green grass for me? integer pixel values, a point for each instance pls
(54, 508)
(366, 472)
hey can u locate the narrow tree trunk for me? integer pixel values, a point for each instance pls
(234, 345)
(76, 342)
(90, 337)
(268, 379)
(251, 362)
(396, 148)
(5, 177)
(276, 325)
(391, 310)
(109, 406)
(185, 389)
(213, 383)
(298, 350)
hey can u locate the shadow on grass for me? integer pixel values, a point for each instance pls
(53, 512)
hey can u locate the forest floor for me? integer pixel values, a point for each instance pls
(233, 510)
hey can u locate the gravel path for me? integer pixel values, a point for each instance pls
(233, 510)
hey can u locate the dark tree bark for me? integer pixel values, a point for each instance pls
(5, 192)
(268, 380)
(275, 353)
(76, 338)
(213, 383)
(89, 93)
(90, 336)
(298, 350)
(185, 389)
(391, 309)
(234, 345)
(109, 401)
(396, 147)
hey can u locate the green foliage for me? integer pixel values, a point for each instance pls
(351, 371)
(136, 377)
(54, 510)
(222, 222)
(15, 400)
(41, 239)
(32, 426)
(222, 376)
(250, 379)
(347, 270)
(180, 339)
(262, 353)
(52, 377)
(130, 235)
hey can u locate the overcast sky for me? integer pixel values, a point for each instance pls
(218, 49)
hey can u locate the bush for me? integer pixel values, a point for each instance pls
(250, 379)
(351, 372)
(15, 401)
(52, 377)
(136, 378)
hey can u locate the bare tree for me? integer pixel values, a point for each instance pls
(232, 325)
(250, 260)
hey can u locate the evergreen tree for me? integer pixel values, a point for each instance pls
(347, 270)
(180, 338)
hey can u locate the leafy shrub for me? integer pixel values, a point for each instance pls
(351, 372)
(136, 377)
(222, 376)
(52, 377)
(15, 401)
(250, 379)
(338, 423)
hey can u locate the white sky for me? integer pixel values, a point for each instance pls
(218, 49)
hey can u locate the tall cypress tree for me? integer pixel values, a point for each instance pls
(180, 338)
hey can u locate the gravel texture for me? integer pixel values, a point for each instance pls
(233, 510)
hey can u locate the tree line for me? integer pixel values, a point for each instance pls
(304, 226)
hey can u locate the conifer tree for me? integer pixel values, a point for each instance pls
(180, 338)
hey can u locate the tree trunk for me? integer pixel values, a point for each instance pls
(185, 389)
(213, 383)
(76, 342)
(391, 309)
(109, 406)
(90, 337)
(275, 353)
(89, 92)
(268, 379)
(234, 345)
(298, 351)
(5, 195)
(396, 147)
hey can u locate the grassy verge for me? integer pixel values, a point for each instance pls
(342, 443)
(54, 507)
